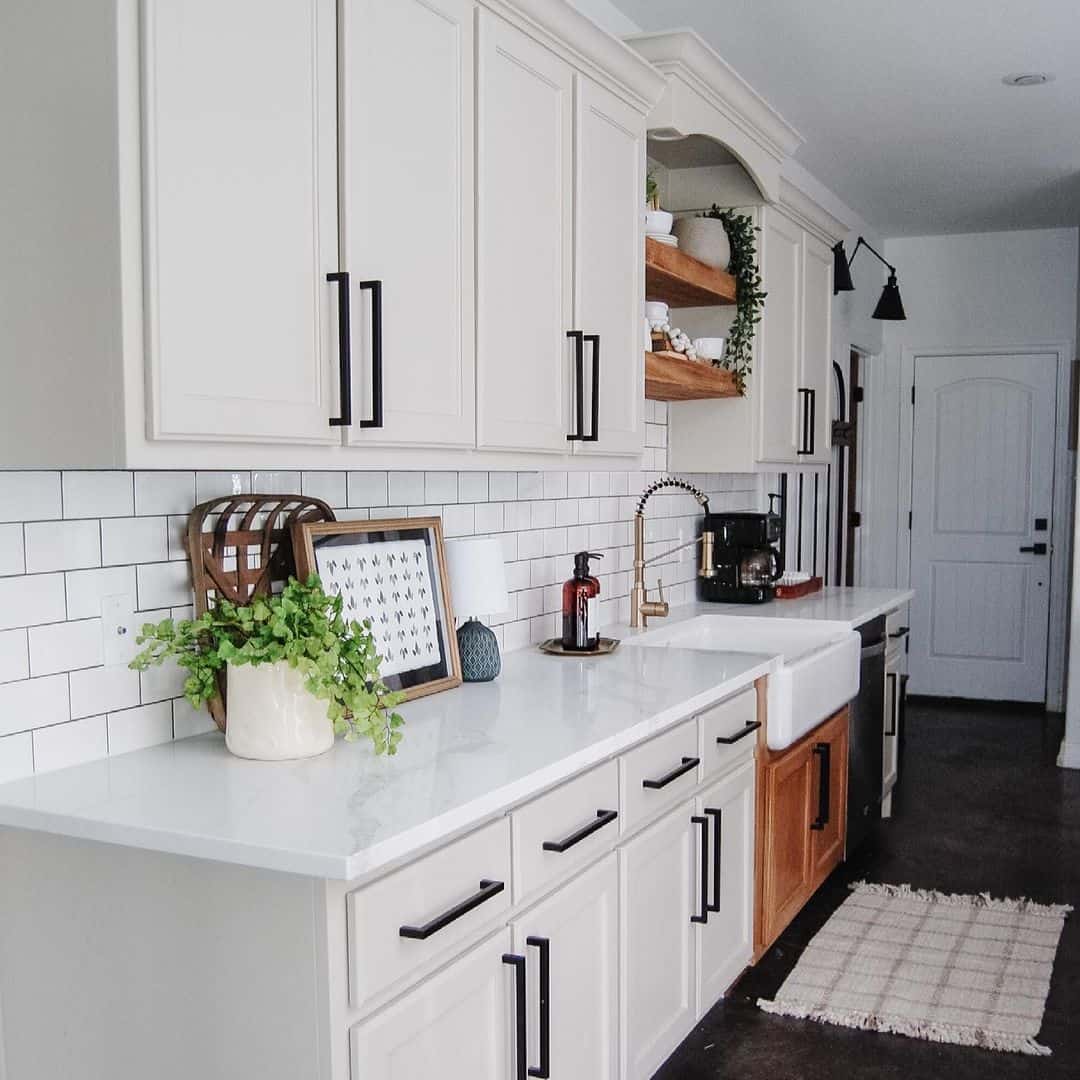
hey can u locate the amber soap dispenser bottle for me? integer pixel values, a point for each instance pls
(581, 606)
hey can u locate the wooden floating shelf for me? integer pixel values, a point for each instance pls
(669, 376)
(681, 281)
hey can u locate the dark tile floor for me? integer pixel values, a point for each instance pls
(981, 808)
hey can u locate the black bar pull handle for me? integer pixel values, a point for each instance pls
(594, 340)
(1034, 549)
(520, 1005)
(891, 678)
(603, 817)
(727, 740)
(703, 824)
(543, 1070)
(718, 822)
(488, 889)
(804, 395)
(376, 420)
(578, 338)
(813, 421)
(341, 279)
(824, 751)
(900, 632)
(688, 763)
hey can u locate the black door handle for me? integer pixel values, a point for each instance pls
(808, 396)
(688, 763)
(594, 340)
(603, 817)
(520, 1048)
(902, 631)
(543, 1070)
(727, 740)
(703, 823)
(824, 750)
(376, 420)
(891, 678)
(488, 889)
(578, 339)
(341, 279)
(718, 821)
(1034, 549)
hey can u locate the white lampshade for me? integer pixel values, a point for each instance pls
(477, 576)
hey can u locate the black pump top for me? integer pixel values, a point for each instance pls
(581, 563)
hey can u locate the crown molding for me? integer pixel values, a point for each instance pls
(810, 214)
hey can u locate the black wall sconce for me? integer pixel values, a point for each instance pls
(890, 306)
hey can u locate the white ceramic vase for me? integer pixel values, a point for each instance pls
(704, 238)
(271, 716)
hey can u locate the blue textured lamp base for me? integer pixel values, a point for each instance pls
(479, 648)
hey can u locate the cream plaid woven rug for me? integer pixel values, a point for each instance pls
(955, 969)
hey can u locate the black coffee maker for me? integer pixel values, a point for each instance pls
(744, 557)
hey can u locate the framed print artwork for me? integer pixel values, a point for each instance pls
(393, 573)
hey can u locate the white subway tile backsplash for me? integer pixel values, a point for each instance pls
(65, 646)
(32, 703)
(440, 487)
(566, 512)
(98, 494)
(405, 487)
(102, 690)
(164, 584)
(387, 513)
(161, 683)
(542, 515)
(577, 485)
(459, 520)
(472, 487)
(530, 485)
(29, 601)
(62, 545)
(159, 493)
(85, 588)
(502, 486)
(135, 729)
(555, 485)
(30, 496)
(489, 517)
(14, 655)
(214, 485)
(328, 486)
(70, 744)
(134, 540)
(16, 756)
(188, 720)
(275, 483)
(12, 556)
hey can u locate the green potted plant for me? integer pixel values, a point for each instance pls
(657, 221)
(298, 672)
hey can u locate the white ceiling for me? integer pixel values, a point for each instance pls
(902, 105)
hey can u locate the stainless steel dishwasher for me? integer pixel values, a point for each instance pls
(866, 737)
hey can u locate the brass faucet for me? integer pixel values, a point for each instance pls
(641, 607)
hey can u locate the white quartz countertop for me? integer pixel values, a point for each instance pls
(468, 755)
(852, 607)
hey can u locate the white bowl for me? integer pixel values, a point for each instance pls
(709, 348)
(656, 311)
(658, 221)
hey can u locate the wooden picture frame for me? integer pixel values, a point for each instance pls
(394, 573)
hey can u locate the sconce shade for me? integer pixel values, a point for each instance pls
(841, 278)
(890, 306)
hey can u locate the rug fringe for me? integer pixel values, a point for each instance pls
(932, 1032)
(982, 900)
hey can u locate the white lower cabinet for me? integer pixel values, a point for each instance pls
(456, 1025)
(572, 1020)
(657, 881)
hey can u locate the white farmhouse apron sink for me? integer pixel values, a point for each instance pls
(817, 663)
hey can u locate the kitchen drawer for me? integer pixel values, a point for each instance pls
(578, 817)
(735, 722)
(658, 774)
(431, 897)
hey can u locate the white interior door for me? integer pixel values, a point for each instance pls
(407, 214)
(982, 485)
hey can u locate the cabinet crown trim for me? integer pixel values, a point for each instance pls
(810, 214)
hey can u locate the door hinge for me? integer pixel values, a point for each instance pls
(857, 393)
(855, 519)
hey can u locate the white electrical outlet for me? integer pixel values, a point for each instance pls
(118, 629)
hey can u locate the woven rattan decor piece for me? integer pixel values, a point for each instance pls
(240, 547)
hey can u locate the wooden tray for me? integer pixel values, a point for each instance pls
(554, 647)
(793, 592)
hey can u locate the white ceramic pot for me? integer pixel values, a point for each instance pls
(658, 222)
(704, 238)
(271, 716)
(656, 311)
(709, 348)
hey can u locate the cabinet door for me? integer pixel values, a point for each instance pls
(578, 929)
(776, 381)
(816, 377)
(789, 785)
(725, 943)
(407, 214)
(240, 218)
(828, 841)
(456, 1025)
(657, 887)
(524, 241)
(609, 265)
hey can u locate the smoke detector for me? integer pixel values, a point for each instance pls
(1028, 78)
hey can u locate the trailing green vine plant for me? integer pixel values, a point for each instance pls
(749, 297)
(302, 626)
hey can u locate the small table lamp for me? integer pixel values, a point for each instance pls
(477, 585)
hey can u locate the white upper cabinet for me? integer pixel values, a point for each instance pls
(609, 268)
(816, 374)
(240, 219)
(524, 241)
(407, 216)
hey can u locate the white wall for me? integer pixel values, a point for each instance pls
(979, 290)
